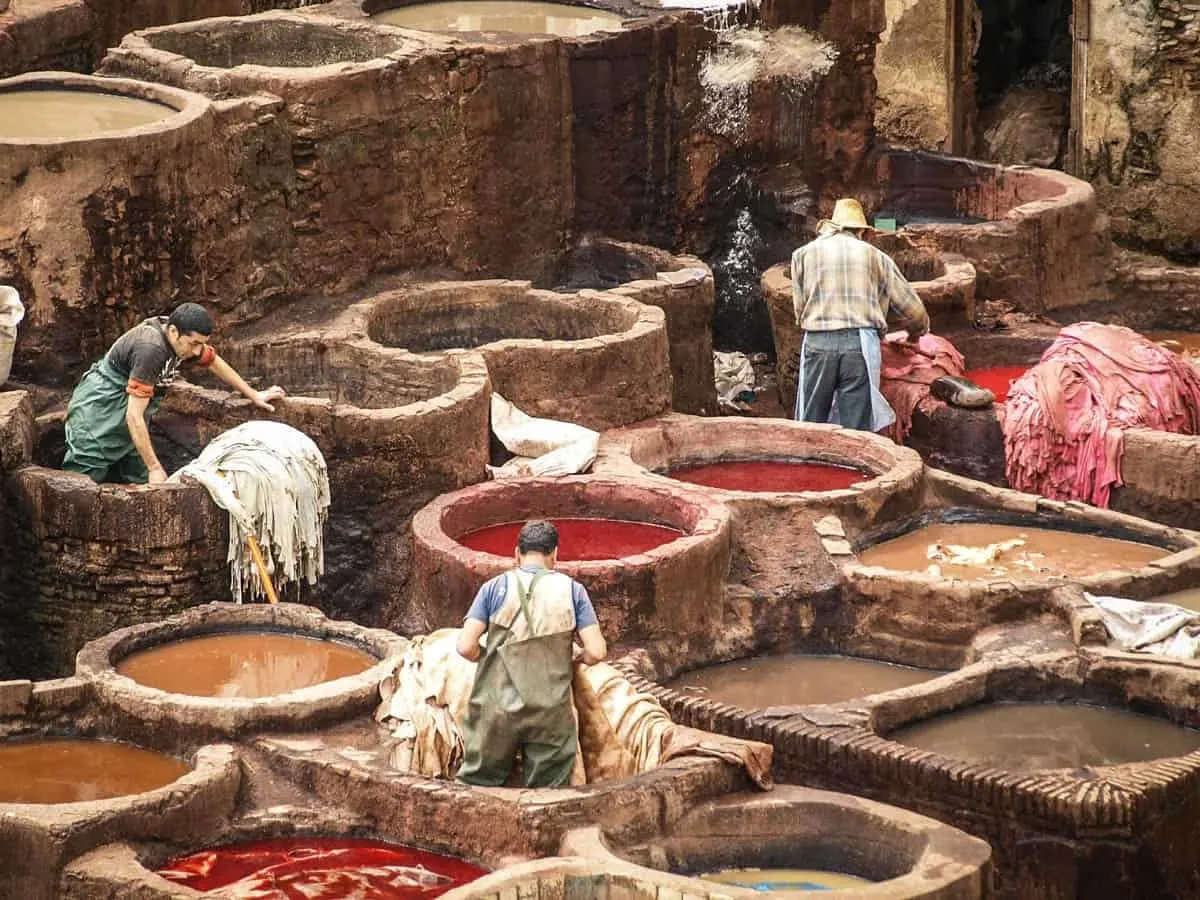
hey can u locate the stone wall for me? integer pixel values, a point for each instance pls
(912, 102)
(1141, 106)
(16, 450)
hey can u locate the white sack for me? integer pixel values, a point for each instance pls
(542, 446)
(11, 314)
(1161, 628)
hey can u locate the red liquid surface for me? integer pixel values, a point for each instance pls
(320, 867)
(578, 539)
(770, 476)
(997, 379)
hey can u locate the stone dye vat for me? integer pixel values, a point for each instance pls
(669, 594)
(521, 16)
(795, 679)
(229, 695)
(383, 419)
(71, 770)
(944, 281)
(1035, 236)
(1062, 822)
(90, 141)
(844, 839)
(596, 359)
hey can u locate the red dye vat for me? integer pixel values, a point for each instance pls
(320, 868)
(578, 539)
(770, 476)
(997, 379)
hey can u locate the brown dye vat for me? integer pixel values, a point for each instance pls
(786, 879)
(69, 770)
(1189, 598)
(1185, 343)
(502, 15)
(797, 680)
(243, 664)
(1034, 736)
(1045, 551)
(46, 114)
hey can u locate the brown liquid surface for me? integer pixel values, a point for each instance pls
(1031, 736)
(38, 114)
(786, 879)
(1185, 343)
(1189, 598)
(1044, 551)
(797, 680)
(66, 771)
(502, 15)
(244, 664)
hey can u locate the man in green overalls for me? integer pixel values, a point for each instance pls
(107, 437)
(521, 699)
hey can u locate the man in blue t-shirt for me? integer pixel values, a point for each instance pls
(521, 699)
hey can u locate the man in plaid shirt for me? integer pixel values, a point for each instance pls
(844, 291)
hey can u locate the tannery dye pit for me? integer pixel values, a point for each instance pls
(579, 539)
(255, 664)
(521, 16)
(987, 550)
(66, 770)
(305, 867)
(770, 880)
(997, 379)
(1026, 737)
(769, 476)
(796, 679)
(47, 114)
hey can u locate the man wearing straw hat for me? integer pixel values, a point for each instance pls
(107, 436)
(844, 290)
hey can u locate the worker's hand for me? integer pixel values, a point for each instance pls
(158, 475)
(263, 399)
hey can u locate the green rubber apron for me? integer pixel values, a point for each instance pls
(97, 437)
(521, 697)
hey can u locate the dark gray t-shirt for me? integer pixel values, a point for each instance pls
(145, 358)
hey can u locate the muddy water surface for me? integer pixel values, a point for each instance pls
(39, 115)
(502, 15)
(320, 867)
(1031, 736)
(243, 664)
(787, 879)
(578, 539)
(997, 379)
(1189, 598)
(981, 550)
(1185, 343)
(68, 770)
(797, 679)
(774, 476)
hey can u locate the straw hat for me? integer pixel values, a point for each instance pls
(847, 213)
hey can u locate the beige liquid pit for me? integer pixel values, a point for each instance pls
(787, 879)
(69, 771)
(558, 19)
(49, 114)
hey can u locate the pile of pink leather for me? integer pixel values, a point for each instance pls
(907, 372)
(1065, 418)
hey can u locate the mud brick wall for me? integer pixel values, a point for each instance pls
(92, 558)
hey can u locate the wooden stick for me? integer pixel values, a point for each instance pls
(260, 564)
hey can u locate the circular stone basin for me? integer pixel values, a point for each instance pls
(70, 770)
(786, 879)
(322, 867)
(770, 476)
(797, 679)
(578, 539)
(1189, 598)
(243, 664)
(997, 379)
(1185, 343)
(43, 113)
(985, 550)
(1038, 736)
(518, 16)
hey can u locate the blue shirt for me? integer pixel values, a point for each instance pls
(492, 595)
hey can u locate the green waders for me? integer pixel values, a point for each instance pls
(521, 700)
(98, 441)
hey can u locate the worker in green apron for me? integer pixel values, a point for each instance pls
(107, 434)
(521, 699)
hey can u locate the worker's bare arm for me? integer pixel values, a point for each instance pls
(135, 421)
(468, 639)
(229, 375)
(595, 649)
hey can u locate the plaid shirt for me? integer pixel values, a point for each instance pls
(840, 281)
